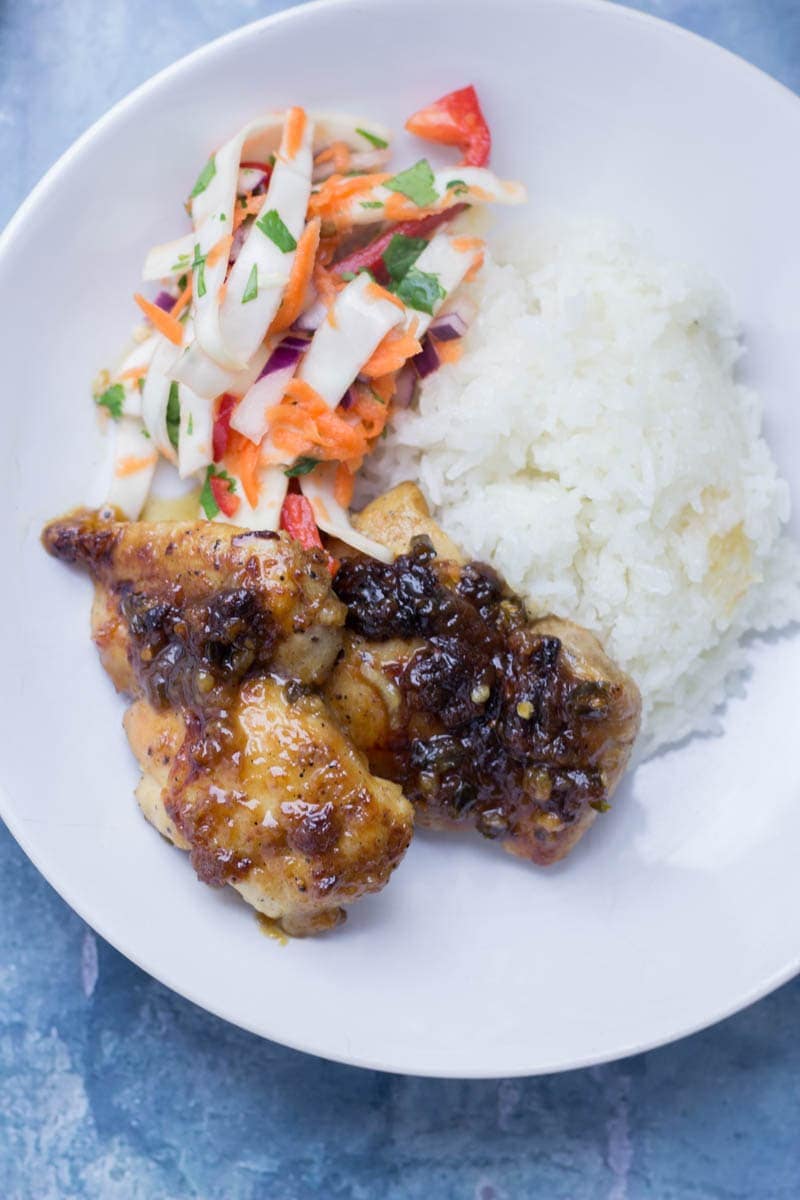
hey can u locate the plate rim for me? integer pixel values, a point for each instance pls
(48, 180)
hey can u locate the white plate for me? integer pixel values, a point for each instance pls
(681, 905)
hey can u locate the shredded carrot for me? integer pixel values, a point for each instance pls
(303, 422)
(449, 352)
(327, 284)
(164, 322)
(244, 457)
(183, 299)
(222, 291)
(302, 269)
(131, 464)
(251, 208)
(338, 153)
(336, 193)
(343, 484)
(474, 269)
(390, 354)
(399, 208)
(383, 387)
(372, 413)
(464, 244)
(293, 131)
(219, 250)
(134, 373)
(376, 292)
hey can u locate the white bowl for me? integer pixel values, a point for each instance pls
(680, 906)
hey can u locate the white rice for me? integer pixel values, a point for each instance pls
(593, 444)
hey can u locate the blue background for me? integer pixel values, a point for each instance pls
(113, 1088)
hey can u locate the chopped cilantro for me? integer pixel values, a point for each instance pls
(416, 184)
(251, 287)
(302, 466)
(113, 399)
(272, 225)
(375, 396)
(199, 265)
(173, 414)
(372, 204)
(348, 275)
(207, 501)
(401, 254)
(140, 383)
(222, 216)
(190, 425)
(420, 290)
(243, 201)
(271, 160)
(184, 279)
(145, 433)
(458, 186)
(378, 142)
(204, 178)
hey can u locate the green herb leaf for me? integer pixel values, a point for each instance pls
(207, 501)
(348, 275)
(199, 265)
(416, 184)
(420, 290)
(375, 396)
(204, 178)
(458, 186)
(372, 204)
(190, 425)
(113, 399)
(373, 139)
(401, 254)
(272, 225)
(181, 261)
(173, 414)
(302, 466)
(184, 279)
(140, 382)
(251, 287)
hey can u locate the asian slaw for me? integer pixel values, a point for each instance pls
(314, 289)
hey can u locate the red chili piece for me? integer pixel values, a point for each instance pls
(221, 491)
(456, 120)
(297, 518)
(222, 426)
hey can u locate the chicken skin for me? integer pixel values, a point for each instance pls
(519, 727)
(220, 636)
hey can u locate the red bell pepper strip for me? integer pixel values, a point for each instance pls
(222, 426)
(369, 257)
(221, 491)
(456, 120)
(297, 518)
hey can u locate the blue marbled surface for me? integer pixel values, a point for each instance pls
(113, 1088)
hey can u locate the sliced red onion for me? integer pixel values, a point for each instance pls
(250, 415)
(427, 361)
(448, 327)
(461, 312)
(238, 241)
(285, 356)
(405, 386)
(348, 399)
(164, 301)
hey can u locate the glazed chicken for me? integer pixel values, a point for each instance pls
(282, 724)
(521, 728)
(219, 636)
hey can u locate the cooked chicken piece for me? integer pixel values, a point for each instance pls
(520, 727)
(219, 634)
